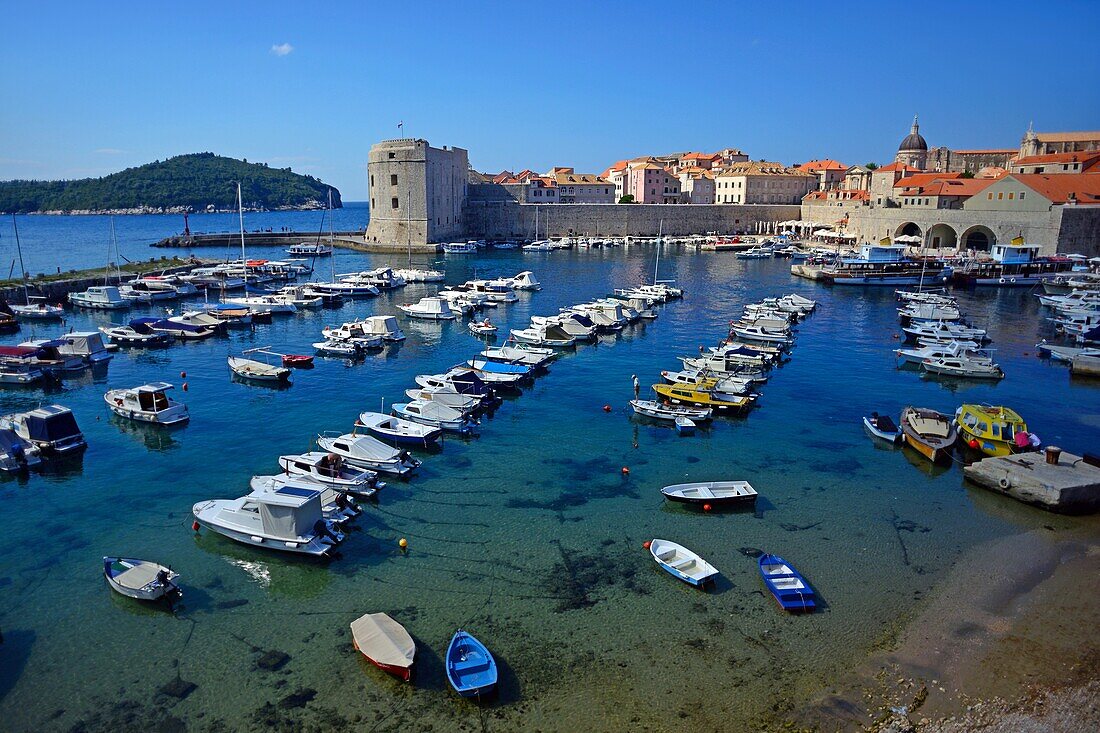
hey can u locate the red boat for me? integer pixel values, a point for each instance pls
(297, 360)
(385, 644)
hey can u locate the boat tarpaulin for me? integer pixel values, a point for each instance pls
(51, 426)
(383, 640)
(291, 520)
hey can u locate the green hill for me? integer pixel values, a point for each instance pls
(186, 182)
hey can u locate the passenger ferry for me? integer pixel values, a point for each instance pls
(1014, 264)
(884, 264)
(308, 249)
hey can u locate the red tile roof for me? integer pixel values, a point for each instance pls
(823, 165)
(700, 156)
(896, 167)
(917, 180)
(963, 187)
(1084, 188)
(1087, 159)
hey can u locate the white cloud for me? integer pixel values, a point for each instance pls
(281, 49)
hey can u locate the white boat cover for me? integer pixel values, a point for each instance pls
(138, 576)
(383, 640)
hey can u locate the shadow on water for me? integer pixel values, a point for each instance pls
(300, 576)
(153, 437)
(14, 653)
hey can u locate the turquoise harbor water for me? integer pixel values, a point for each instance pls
(529, 536)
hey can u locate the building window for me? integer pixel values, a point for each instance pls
(393, 203)
(989, 195)
(1021, 195)
(393, 179)
(1011, 195)
(393, 155)
(372, 180)
(1000, 195)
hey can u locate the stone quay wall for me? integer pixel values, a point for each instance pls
(511, 220)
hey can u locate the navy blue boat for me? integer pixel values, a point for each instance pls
(471, 669)
(789, 588)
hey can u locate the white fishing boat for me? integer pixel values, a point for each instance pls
(578, 326)
(414, 275)
(328, 469)
(272, 303)
(300, 296)
(963, 366)
(259, 371)
(530, 356)
(397, 431)
(435, 414)
(756, 332)
(355, 332)
(368, 452)
(459, 248)
(482, 328)
(84, 345)
(681, 562)
(445, 396)
(347, 290)
(336, 507)
(100, 297)
(944, 330)
(431, 309)
(288, 520)
(51, 429)
(38, 311)
(660, 411)
(716, 493)
(460, 380)
(310, 249)
(136, 333)
(384, 326)
(929, 312)
(147, 403)
(546, 335)
(141, 579)
(498, 373)
(725, 383)
(341, 349)
(941, 351)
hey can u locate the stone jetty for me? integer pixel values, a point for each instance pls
(1070, 486)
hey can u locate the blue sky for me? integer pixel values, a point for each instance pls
(90, 88)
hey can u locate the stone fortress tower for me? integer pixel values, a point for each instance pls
(913, 150)
(417, 189)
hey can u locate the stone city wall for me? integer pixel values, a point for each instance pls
(506, 220)
(1078, 230)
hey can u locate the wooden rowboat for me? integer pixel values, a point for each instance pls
(718, 493)
(385, 643)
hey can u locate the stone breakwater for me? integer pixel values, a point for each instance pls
(59, 289)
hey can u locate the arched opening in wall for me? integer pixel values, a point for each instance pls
(908, 229)
(941, 236)
(978, 238)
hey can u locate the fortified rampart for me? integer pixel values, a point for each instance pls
(506, 219)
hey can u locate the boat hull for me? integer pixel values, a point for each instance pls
(937, 455)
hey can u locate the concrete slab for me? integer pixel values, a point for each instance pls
(1069, 487)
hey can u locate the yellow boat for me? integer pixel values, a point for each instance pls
(694, 394)
(995, 431)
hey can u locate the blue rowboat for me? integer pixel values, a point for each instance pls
(789, 588)
(471, 669)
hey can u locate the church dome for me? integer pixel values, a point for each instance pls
(913, 142)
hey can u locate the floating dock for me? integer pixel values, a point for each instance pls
(1070, 486)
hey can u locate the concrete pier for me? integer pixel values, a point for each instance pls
(1070, 486)
(1085, 366)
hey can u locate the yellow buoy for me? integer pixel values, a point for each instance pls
(403, 543)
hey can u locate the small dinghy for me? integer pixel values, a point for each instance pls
(685, 426)
(343, 349)
(790, 589)
(141, 579)
(883, 427)
(482, 328)
(682, 563)
(718, 493)
(395, 431)
(471, 669)
(297, 360)
(385, 643)
(930, 433)
(661, 411)
(328, 469)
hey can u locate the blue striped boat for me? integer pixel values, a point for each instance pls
(785, 583)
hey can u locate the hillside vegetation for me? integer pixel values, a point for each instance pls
(195, 182)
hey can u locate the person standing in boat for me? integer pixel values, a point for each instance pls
(637, 386)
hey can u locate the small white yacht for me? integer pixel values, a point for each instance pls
(944, 330)
(940, 351)
(100, 297)
(431, 308)
(964, 366)
(288, 519)
(38, 311)
(147, 403)
(435, 414)
(367, 452)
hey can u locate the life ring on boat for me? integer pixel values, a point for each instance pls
(1002, 281)
(1012, 280)
(1004, 483)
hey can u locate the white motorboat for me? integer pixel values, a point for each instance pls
(941, 351)
(136, 333)
(963, 366)
(39, 311)
(396, 431)
(141, 579)
(16, 453)
(717, 493)
(21, 365)
(496, 291)
(258, 371)
(328, 469)
(533, 357)
(661, 411)
(459, 248)
(384, 326)
(482, 328)
(100, 297)
(413, 275)
(271, 303)
(1074, 299)
(300, 296)
(498, 373)
(310, 249)
(147, 403)
(336, 507)
(435, 414)
(937, 297)
(580, 327)
(84, 345)
(368, 452)
(723, 383)
(355, 332)
(460, 380)
(342, 349)
(1064, 353)
(147, 290)
(347, 290)
(757, 332)
(288, 519)
(944, 330)
(546, 335)
(431, 309)
(929, 312)
(445, 396)
(52, 429)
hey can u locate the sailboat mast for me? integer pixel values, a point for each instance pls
(332, 255)
(408, 218)
(657, 263)
(19, 249)
(240, 215)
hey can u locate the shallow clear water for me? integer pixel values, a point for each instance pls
(528, 536)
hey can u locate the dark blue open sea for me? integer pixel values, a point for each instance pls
(529, 536)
